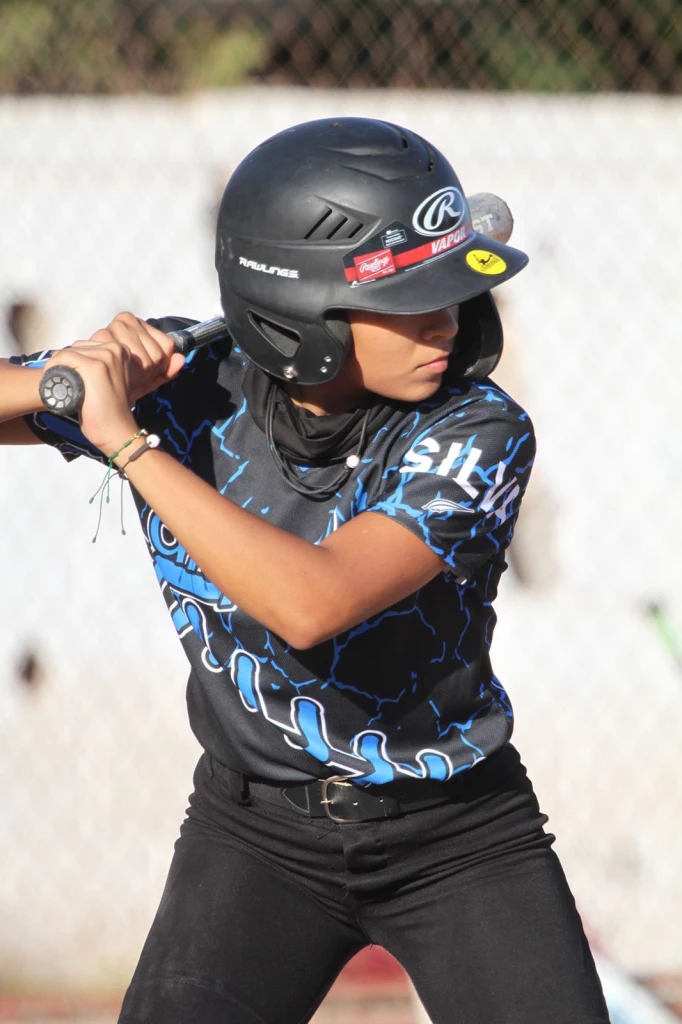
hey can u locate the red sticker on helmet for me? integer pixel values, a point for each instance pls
(373, 265)
(403, 255)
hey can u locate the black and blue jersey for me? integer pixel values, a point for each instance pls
(408, 693)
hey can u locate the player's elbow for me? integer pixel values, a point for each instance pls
(319, 606)
(312, 624)
(306, 632)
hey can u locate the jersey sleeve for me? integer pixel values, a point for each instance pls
(458, 485)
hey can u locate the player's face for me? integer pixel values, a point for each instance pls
(401, 357)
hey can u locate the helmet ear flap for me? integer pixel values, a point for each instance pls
(288, 348)
(479, 342)
(337, 323)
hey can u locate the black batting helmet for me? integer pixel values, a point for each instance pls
(351, 214)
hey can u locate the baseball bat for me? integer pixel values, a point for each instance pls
(62, 390)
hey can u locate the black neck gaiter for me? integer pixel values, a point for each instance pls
(302, 436)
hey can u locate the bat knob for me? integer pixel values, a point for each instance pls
(61, 390)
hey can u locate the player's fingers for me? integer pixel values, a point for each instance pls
(175, 364)
(147, 343)
(106, 363)
(162, 339)
(153, 340)
(170, 362)
(108, 350)
(139, 356)
(128, 330)
(114, 347)
(140, 387)
(153, 347)
(103, 339)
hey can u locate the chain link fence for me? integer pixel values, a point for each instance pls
(119, 124)
(170, 46)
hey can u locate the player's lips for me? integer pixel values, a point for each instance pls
(437, 365)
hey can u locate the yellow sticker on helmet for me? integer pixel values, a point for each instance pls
(484, 262)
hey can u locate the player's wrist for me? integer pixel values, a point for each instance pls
(140, 447)
(126, 440)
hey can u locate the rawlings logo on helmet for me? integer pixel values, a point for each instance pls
(375, 265)
(440, 212)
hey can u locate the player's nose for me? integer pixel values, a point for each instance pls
(441, 325)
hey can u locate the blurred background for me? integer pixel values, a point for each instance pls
(119, 124)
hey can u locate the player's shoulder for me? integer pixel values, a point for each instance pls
(467, 406)
(483, 393)
(485, 398)
(465, 424)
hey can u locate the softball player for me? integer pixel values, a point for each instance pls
(327, 498)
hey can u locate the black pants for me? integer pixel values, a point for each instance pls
(263, 907)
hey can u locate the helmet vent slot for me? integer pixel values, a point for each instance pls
(318, 224)
(335, 224)
(339, 225)
(282, 338)
(346, 227)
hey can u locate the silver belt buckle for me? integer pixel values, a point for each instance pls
(335, 780)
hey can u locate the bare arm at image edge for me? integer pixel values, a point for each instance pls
(18, 398)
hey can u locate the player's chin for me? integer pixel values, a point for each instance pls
(425, 382)
(411, 389)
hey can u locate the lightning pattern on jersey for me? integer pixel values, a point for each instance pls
(410, 691)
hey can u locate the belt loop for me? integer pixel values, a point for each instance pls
(244, 798)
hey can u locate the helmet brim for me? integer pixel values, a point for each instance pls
(477, 266)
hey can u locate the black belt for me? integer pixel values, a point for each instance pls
(344, 802)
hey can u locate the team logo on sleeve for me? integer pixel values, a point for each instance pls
(439, 506)
(456, 458)
(460, 464)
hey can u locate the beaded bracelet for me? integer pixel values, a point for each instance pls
(153, 441)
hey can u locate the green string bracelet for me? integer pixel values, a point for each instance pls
(103, 489)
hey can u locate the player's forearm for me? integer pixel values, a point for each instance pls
(18, 390)
(282, 581)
